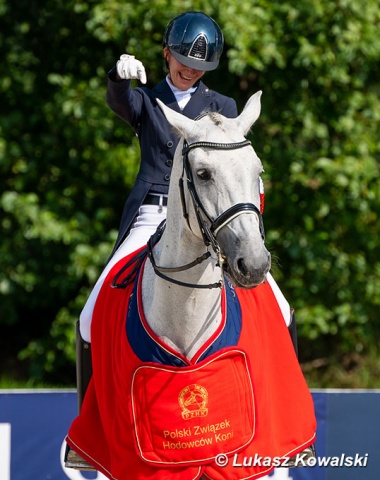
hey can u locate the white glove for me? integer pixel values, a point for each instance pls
(128, 67)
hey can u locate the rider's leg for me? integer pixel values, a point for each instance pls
(290, 321)
(287, 312)
(146, 223)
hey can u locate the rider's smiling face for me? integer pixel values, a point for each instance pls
(182, 77)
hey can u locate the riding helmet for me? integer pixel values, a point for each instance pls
(195, 40)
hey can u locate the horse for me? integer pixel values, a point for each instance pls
(207, 372)
(221, 209)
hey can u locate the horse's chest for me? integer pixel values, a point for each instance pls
(150, 347)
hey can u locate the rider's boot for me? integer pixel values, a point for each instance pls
(84, 373)
(309, 452)
(83, 366)
(293, 330)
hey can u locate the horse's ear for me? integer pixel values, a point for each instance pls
(184, 125)
(250, 113)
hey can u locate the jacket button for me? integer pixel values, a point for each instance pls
(169, 144)
(169, 163)
(167, 177)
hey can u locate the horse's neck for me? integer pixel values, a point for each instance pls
(183, 317)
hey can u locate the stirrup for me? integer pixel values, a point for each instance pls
(74, 460)
(306, 454)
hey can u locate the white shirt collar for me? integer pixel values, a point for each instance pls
(182, 96)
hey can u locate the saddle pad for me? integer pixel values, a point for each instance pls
(186, 415)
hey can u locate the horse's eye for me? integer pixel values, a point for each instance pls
(203, 174)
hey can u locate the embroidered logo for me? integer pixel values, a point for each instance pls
(193, 400)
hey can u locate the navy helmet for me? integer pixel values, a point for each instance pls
(195, 40)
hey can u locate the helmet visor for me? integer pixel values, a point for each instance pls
(196, 63)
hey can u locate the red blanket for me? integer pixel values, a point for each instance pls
(143, 420)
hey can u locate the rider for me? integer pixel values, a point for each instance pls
(192, 45)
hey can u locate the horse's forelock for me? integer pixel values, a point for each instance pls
(215, 117)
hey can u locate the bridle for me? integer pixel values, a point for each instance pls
(208, 232)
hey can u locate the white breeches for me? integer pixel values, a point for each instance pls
(146, 223)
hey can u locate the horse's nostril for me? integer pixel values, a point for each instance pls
(242, 267)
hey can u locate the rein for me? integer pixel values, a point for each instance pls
(160, 271)
(137, 261)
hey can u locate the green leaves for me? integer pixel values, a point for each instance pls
(67, 162)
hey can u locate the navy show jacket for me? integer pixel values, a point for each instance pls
(138, 107)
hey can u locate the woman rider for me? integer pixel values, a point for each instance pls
(192, 45)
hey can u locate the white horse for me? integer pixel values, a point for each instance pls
(221, 202)
(212, 242)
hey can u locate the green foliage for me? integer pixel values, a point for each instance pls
(318, 65)
(67, 162)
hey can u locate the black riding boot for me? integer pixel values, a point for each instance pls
(84, 373)
(83, 366)
(310, 451)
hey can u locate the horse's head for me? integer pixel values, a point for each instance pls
(217, 173)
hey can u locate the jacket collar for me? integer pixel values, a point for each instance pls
(199, 101)
(163, 92)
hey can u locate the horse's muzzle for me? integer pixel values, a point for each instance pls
(248, 274)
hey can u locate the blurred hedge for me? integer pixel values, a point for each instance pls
(67, 163)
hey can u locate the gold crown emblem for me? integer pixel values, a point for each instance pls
(193, 400)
